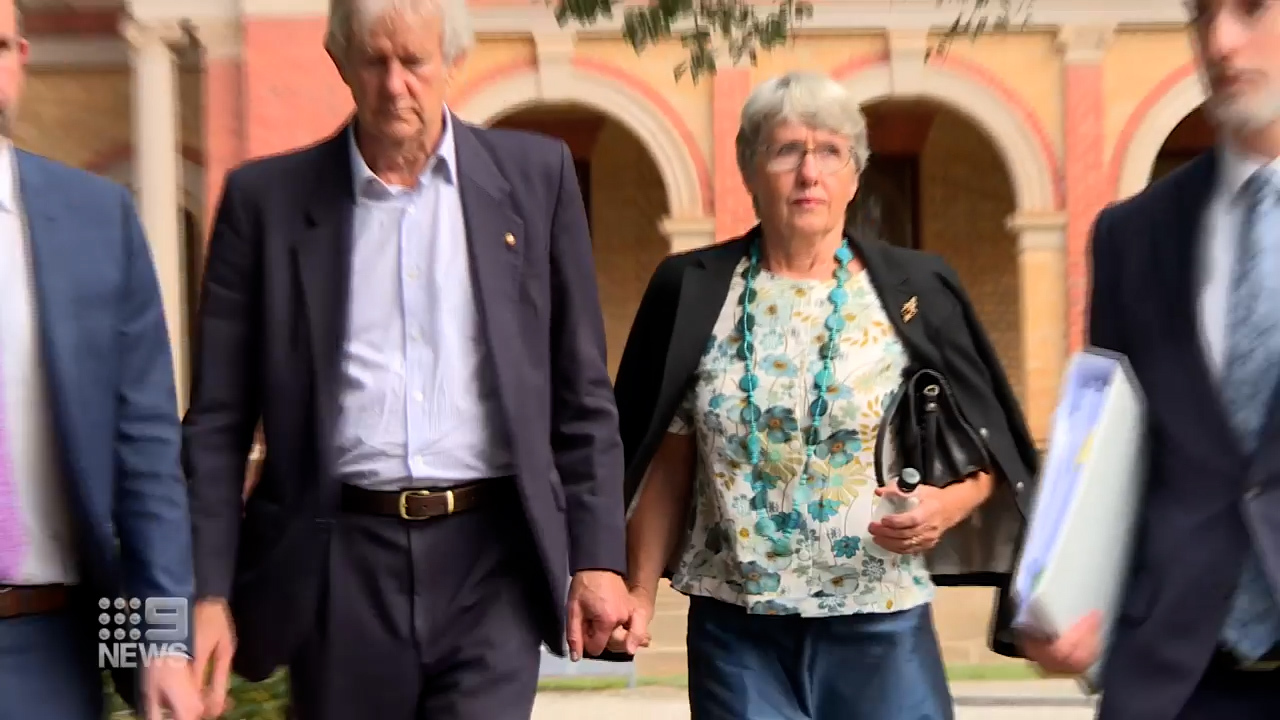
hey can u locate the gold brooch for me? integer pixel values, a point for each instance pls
(910, 308)
(510, 240)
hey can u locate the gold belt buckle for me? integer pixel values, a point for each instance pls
(406, 494)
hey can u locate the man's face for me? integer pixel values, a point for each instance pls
(13, 60)
(1239, 47)
(398, 76)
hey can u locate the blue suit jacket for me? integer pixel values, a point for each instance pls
(107, 362)
(1207, 501)
(269, 349)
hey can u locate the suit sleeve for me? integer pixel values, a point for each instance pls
(225, 401)
(584, 432)
(1105, 310)
(151, 512)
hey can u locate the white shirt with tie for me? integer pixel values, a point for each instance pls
(50, 551)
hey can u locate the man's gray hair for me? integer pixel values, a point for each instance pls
(810, 98)
(349, 20)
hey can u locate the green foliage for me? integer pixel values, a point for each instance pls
(978, 16)
(741, 29)
(266, 700)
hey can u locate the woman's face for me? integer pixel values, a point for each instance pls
(804, 180)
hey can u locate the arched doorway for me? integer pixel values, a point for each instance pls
(1192, 136)
(935, 182)
(1172, 101)
(625, 199)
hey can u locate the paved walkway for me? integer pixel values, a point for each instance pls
(1026, 700)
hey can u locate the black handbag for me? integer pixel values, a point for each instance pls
(923, 428)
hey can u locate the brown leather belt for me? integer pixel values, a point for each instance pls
(18, 600)
(420, 504)
(1226, 660)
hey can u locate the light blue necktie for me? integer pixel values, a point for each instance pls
(1249, 384)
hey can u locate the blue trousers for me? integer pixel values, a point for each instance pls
(785, 667)
(48, 669)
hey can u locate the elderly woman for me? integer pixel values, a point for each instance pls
(751, 394)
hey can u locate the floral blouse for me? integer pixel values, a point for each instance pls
(835, 567)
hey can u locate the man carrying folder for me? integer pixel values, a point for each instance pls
(1186, 284)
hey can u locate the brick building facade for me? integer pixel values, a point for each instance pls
(996, 155)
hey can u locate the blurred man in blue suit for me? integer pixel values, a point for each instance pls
(92, 500)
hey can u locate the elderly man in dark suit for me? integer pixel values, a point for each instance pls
(410, 309)
(1186, 282)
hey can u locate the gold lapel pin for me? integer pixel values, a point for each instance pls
(910, 308)
(510, 240)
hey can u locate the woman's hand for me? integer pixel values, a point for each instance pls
(939, 509)
(634, 634)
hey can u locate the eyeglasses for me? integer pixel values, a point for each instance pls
(787, 157)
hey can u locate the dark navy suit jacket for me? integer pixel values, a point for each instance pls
(1205, 497)
(269, 341)
(106, 356)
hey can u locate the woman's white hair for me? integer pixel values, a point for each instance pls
(809, 98)
(349, 20)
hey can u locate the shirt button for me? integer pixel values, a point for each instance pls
(418, 396)
(413, 274)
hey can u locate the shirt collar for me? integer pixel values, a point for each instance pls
(1237, 166)
(8, 176)
(445, 158)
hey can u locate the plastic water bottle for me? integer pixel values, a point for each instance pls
(894, 504)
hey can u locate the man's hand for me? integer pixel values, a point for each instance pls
(598, 603)
(169, 684)
(1072, 653)
(215, 646)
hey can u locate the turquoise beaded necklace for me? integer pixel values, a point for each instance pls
(751, 414)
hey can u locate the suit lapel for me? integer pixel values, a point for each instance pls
(1175, 244)
(54, 289)
(902, 303)
(495, 247)
(703, 291)
(323, 256)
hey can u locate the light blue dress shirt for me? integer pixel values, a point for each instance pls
(418, 406)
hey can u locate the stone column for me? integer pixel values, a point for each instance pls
(157, 173)
(1084, 167)
(1042, 276)
(733, 212)
(684, 234)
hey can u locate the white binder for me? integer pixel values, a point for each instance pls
(1078, 547)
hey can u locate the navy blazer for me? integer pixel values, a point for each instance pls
(107, 361)
(1205, 498)
(268, 347)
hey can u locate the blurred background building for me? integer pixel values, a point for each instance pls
(996, 155)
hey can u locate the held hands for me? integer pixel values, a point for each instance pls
(919, 529)
(1072, 653)
(215, 646)
(598, 604)
(634, 635)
